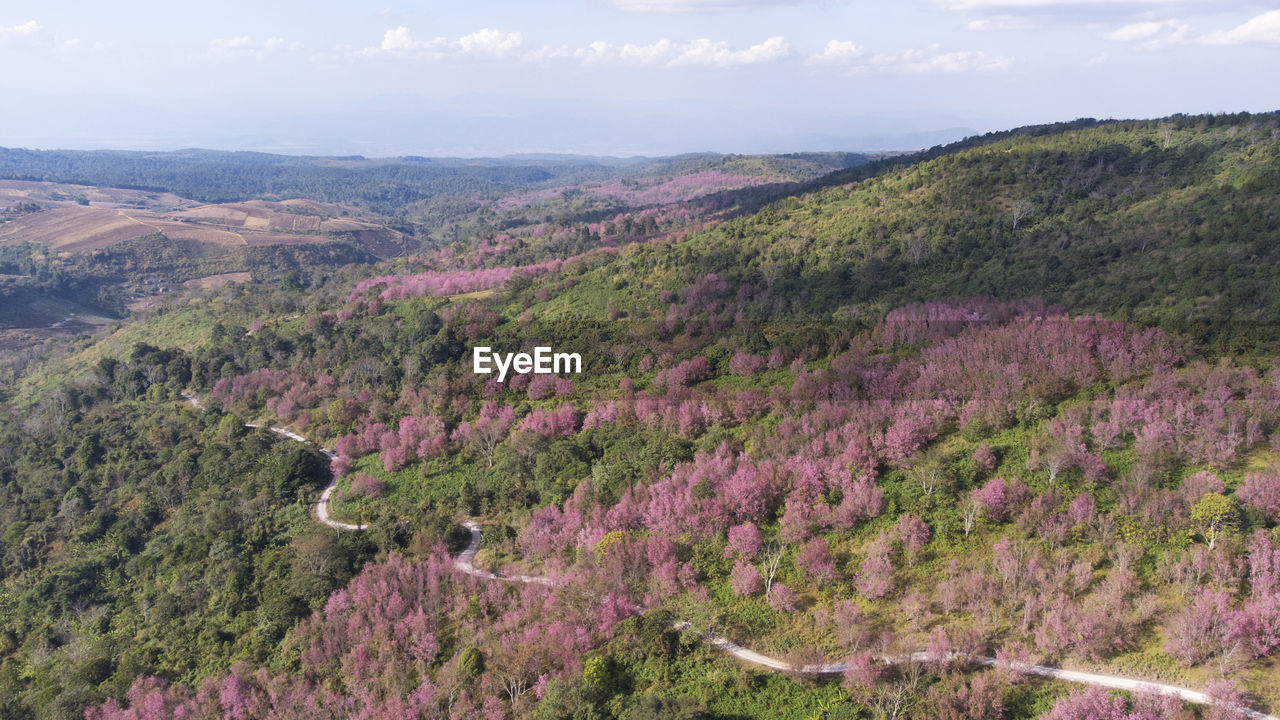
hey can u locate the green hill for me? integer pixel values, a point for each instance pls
(1171, 222)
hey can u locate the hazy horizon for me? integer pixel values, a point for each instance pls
(613, 77)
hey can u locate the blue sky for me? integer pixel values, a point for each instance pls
(613, 76)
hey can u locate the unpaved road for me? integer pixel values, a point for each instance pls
(465, 563)
(322, 503)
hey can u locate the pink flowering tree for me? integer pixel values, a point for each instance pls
(875, 577)
(814, 559)
(1204, 628)
(1262, 493)
(746, 364)
(745, 580)
(744, 541)
(913, 533)
(484, 433)
(991, 499)
(782, 598)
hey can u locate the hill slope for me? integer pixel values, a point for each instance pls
(788, 432)
(1167, 222)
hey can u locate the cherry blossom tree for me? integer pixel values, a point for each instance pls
(745, 579)
(983, 458)
(1202, 629)
(814, 559)
(956, 698)
(744, 541)
(991, 499)
(484, 433)
(863, 673)
(875, 578)
(913, 533)
(782, 598)
(1261, 492)
(1226, 701)
(746, 364)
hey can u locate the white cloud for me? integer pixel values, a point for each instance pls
(234, 43)
(490, 43)
(1264, 28)
(678, 6)
(1152, 35)
(837, 51)
(1136, 31)
(546, 52)
(483, 43)
(279, 43)
(1000, 23)
(78, 45)
(932, 60)
(244, 46)
(1099, 59)
(595, 52)
(600, 51)
(708, 52)
(399, 40)
(646, 54)
(1022, 14)
(928, 60)
(26, 29)
(703, 51)
(1017, 5)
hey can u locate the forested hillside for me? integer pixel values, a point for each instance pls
(1012, 399)
(382, 185)
(93, 234)
(1171, 222)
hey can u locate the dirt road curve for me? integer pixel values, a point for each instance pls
(465, 563)
(322, 503)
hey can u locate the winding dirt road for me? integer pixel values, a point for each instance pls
(465, 563)
(322, 502)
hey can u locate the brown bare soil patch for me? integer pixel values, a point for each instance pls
(213, 281)
(49, 194)
(204, 234)
(114, 215)
(293, 216)
(220, 214)
(75, 228)
(289, 221)
(343, 225)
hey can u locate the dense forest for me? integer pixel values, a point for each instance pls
(381, 185)
(1012, 399)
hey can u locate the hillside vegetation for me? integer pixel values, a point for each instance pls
(1165, 222)
(1015, 397)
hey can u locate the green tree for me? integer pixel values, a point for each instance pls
(597, 675)
(470, 664)
(1214, 516)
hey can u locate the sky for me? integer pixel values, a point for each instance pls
(612, 77)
